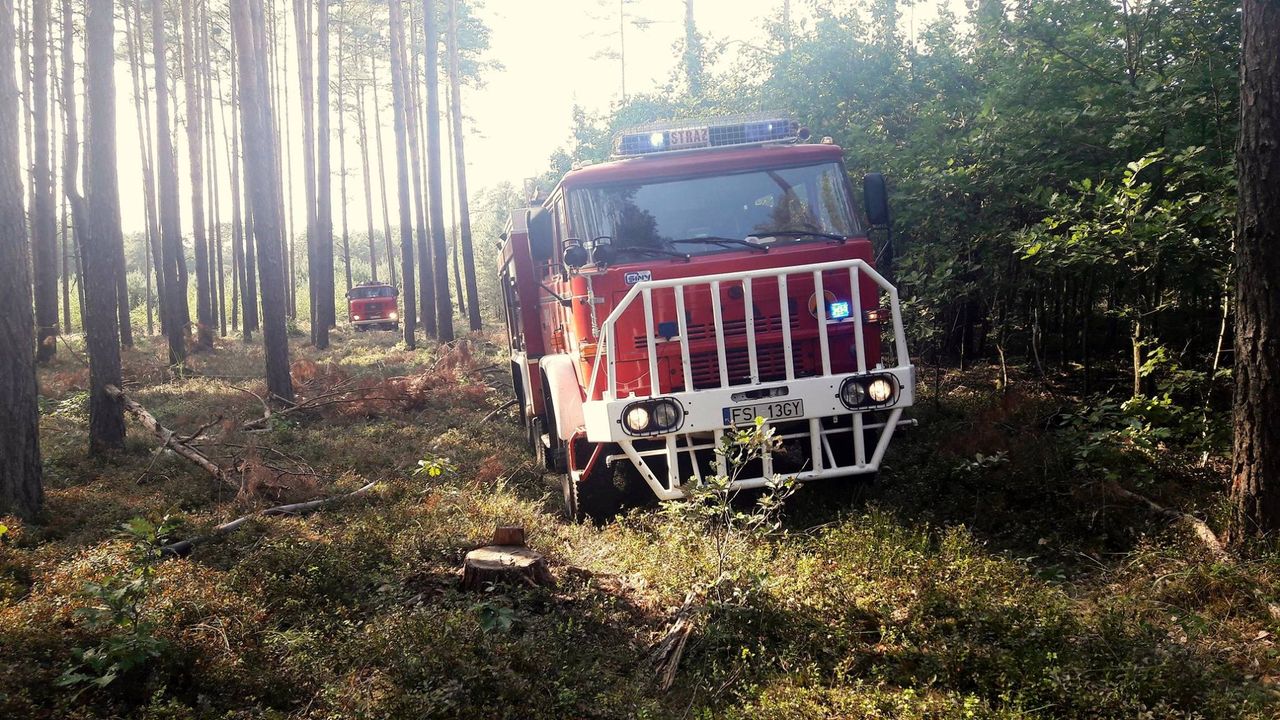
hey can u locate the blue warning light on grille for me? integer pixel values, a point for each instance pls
(839, 310)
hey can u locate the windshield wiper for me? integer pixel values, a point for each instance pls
(721, 241)
(655, 251)
(802, 233)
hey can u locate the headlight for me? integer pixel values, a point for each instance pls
(880, 390)
(637, 418)
(666, 413)
(394, 316)
(858, 393)
(355, 317)
(652, 417)
(852, 393)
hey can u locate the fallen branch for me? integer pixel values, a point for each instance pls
(667, 653)
(182, 548)
(1202, 531)
(167, 436)
(498, 409)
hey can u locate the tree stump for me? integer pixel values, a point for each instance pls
(505, 563)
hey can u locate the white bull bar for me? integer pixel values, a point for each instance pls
(704, 423)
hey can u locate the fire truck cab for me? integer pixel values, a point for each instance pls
(373, 306)
(711, 273)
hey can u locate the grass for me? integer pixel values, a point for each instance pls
(958, 586)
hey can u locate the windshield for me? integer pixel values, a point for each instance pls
(364, 293)
(670, 215)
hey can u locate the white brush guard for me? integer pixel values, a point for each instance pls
(824, 424)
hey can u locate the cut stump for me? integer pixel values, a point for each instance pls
(505, 561)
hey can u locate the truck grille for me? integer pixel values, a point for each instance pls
(732, 328)
(770, 363)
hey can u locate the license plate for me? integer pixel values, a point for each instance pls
(747, 414)
(688, 137)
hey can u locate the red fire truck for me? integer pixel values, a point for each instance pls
(373, 306)
(709, 274)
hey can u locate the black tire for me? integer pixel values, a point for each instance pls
(596, 497)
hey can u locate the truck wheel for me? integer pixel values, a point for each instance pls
(595, 497)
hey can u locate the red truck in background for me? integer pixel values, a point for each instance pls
(373, 305)
(711, 273)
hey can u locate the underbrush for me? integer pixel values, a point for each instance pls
(985, 575)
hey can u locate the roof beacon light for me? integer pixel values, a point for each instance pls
(724, 132)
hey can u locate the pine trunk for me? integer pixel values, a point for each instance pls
(362, 124)
(1255, 487)
(101, 236)
(324, 186)
(195, 165)
(402, 172)
(439, 246)
(460, 160)
(408, 78)
(44, 255)
(261, 173)
(382, 171)
(175, 295)
(21, 492)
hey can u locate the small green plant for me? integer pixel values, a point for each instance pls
(494, 614)
(434, 467)
(129, 641)
(712, 512)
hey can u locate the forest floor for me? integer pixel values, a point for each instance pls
(986, 573)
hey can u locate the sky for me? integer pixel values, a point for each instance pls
(550, 53)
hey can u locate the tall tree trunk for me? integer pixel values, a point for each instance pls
(342, 150)
(44, 254)
(302, 39)
(1255, 486)
(195, 164)
(219, 285)
(408, 78)
(142, 111)
(290, 230)
(382, 171)
(242, 240)
(101, 227)
(170, 221)
(21, 491)
(362, 124)
(64, 222)
(402, 171)
(324, 185)
(439, 246)
(460, 159)
(255, 110)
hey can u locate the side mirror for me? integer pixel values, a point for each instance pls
(575, 256)
(541, 235)
(602, 252)
(875, 198)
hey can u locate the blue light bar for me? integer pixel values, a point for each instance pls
(726, 132)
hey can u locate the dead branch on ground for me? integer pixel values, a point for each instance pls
(167, 436)
(182, 548)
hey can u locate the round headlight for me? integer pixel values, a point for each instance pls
(666, 414)
(852, 393)
(637, 418)
(355, 317)
(880, 390)
(393, 316)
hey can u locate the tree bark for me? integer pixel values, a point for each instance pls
(21, 491)
(175, 290)
(43, 221)
(195, 165)
(1255, 486)
(459, 155)
(142, 109)
(396, 20)
(324, 187)
(439, 246)
(382, 171)
(302, 40)
(426, 277)
(260, 151)
(362, 124)
(100, 223)
(342, 150)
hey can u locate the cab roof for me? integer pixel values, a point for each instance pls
(703, 161)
